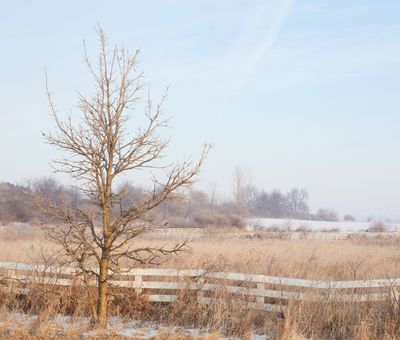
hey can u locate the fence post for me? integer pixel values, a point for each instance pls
(260, 299)
(11, 274)
(200, 293)
(138, 284)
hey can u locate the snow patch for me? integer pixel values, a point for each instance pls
(343, 226)
(116, 326)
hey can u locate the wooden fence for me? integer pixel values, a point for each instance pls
(258, 291)
(192, 233)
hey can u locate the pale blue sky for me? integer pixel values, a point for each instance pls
(302, 93)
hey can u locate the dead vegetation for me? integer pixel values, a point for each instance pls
(336, 260)
(315, 259)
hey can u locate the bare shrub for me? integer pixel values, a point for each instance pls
(327, 215)
(205, 218)
(303, 229)
(349, 218)
(378, 227)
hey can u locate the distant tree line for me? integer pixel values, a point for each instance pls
(197, 209)
(16, 201)
(293, 204)
(277, 204)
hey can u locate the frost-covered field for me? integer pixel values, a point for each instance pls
(343, 226)
(117, 328)
(319, 259)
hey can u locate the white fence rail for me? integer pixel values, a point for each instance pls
(268, 232)
(259, 291)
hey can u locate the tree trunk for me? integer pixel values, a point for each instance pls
(102, 302)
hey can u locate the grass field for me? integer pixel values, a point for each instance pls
(359, 258)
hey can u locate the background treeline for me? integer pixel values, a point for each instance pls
(16, 201)
(197, 209)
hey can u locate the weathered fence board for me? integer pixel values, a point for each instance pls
(257, 287)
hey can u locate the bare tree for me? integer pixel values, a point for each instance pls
(98, 152)
(212, 194)
(349, 217)
(238, 190)
(297, 201)
(242, 190)
(327, 215)
(47, 187)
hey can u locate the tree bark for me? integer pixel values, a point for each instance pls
(102, 302)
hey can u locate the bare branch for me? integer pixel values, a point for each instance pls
(98, 150)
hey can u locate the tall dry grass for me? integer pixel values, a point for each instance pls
(317, 259)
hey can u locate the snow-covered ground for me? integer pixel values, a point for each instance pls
(343, 226)
(116, 327)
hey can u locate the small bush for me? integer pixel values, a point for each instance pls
(208, 217)
(378, 227)
(348, 218)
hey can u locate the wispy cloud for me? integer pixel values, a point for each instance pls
(248, 59)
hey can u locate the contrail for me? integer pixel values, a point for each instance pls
(251, 62)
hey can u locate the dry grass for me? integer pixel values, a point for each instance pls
(336, 260)
(317, 259)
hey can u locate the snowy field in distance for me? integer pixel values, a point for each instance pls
(343, 226)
